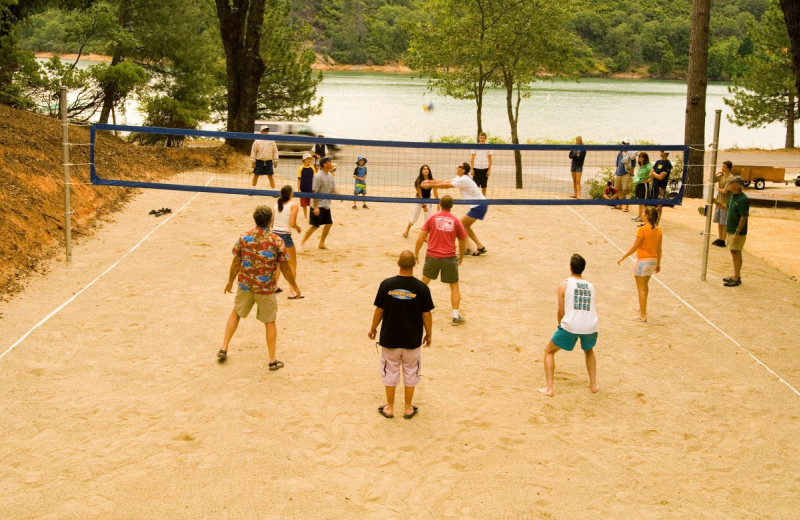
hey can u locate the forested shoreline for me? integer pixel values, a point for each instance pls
(645, 38)
(196, 61)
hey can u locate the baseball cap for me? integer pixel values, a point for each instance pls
(665, 152)
(307, 155)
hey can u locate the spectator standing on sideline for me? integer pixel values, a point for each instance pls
(403, 307)
(622, 175)
(721, 202)
(660, 178)
(577, 319)
(318, 151)
(264, 158)
(738, 208)
(642, 181)
(576, 168)
(257, 256)
(480, 161)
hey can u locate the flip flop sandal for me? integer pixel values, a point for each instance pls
(380, 411)
(412, 414)
(222, 355)
(480, 251)
(296, 297)
(275, 366)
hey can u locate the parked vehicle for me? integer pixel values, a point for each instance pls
(759, 175)
(293, 128)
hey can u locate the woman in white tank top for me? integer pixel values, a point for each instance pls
(282, 224)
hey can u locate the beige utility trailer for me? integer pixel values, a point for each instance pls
(759, 175)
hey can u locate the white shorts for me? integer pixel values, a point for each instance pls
(645, 266)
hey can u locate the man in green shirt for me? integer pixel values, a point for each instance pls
(738, 208)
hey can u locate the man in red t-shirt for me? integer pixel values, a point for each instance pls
(441, 230)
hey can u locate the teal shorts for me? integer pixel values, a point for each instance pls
(566, 340)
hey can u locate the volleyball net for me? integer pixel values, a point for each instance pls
(525, 174)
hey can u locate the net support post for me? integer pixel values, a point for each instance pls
(65, 154)
(710, 201)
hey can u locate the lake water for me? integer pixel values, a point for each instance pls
(389, 106)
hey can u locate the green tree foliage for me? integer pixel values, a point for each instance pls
(530, 44)
(764, 91)
(453, 49)
(289, 85)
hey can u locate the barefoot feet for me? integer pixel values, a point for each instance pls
(547, 392)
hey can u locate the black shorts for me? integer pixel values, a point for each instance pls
(480, 177)
(644, 191)
(324, 218)
(263, 168)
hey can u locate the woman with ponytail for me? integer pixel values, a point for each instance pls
(286, 220)
(648, 257)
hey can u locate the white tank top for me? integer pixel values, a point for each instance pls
(281, 219)
(580, 310)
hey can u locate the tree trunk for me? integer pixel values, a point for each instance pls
(479, 105)
(110, 91)
(791, 14)
(697, 83)
(240, 24)
(513, 119)
(790, 111)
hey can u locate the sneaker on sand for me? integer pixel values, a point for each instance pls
(459, 321)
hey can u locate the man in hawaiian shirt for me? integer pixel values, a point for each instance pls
(257, 256)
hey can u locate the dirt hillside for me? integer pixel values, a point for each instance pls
(32, 195)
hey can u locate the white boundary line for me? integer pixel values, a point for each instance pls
(111, 267)
(768, 369)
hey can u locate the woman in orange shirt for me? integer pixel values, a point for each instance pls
(648, 257)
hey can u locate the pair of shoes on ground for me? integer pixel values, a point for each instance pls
(159, 212)
(729, 281)
(718, 242)
(459, 321)
(479, 252)
(411, 415)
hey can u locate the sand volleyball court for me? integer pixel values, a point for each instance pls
(114, 406)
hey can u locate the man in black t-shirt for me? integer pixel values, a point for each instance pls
(404, 305)
(660, 175)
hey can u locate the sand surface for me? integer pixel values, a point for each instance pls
(114, 407)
